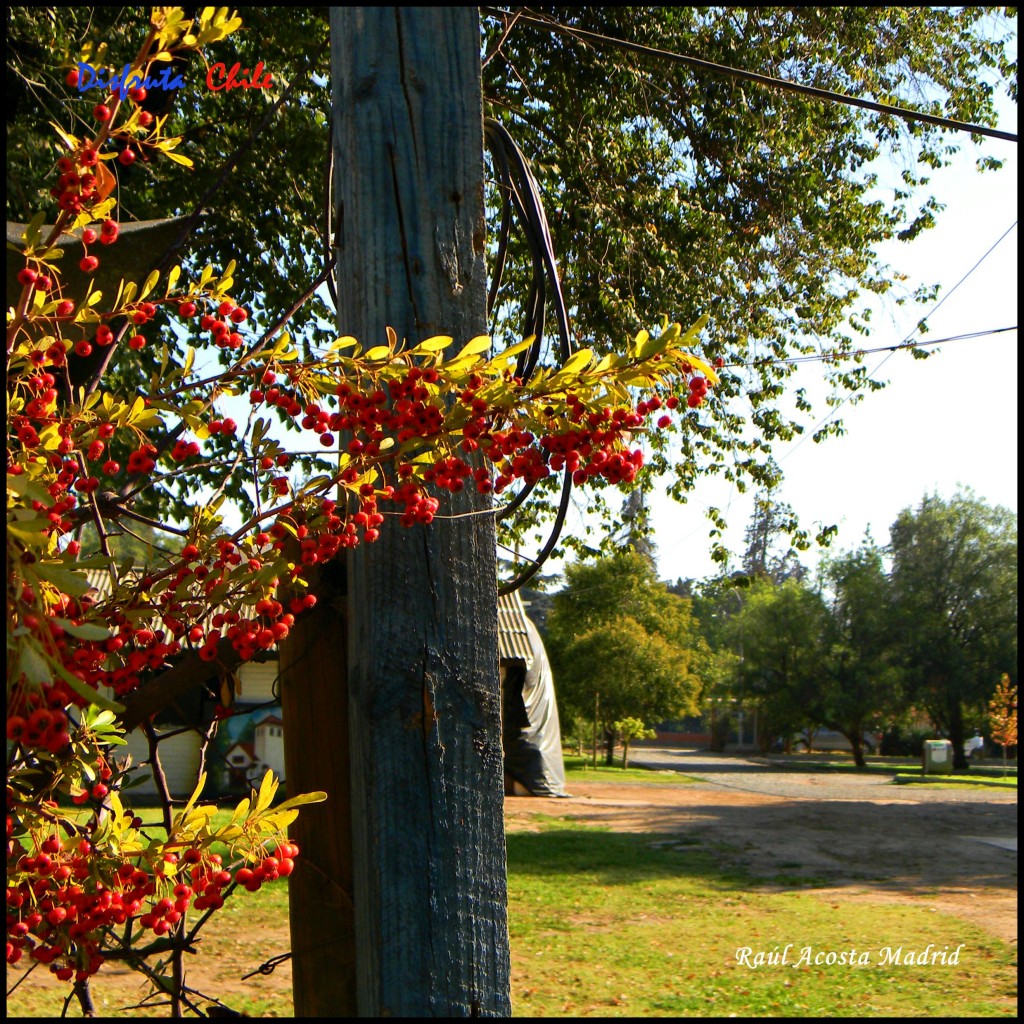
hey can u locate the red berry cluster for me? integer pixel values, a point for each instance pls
(76, 188)
(221, 327)
(58, 906)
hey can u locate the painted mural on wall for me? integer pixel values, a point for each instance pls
(246, 746)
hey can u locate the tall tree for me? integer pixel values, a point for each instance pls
(782, 630)
(954, 579)
(862, 683)
(618, 639)
(768, 555)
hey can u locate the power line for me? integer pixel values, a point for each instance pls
(856, 353)
(906, 341)
(750, 76)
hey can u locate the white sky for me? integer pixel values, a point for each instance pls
(940, 422)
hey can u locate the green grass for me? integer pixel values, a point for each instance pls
(648, 925)
(580, 769)
(607, 924)
(953, 781)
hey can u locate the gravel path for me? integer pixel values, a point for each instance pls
(738, 773)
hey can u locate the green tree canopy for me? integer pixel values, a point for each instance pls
(668, 190)
(616, 634)
(780, 635)
(862, 685)
(954, 579)
(671, 189)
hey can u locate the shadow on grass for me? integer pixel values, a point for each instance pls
(898, 846)
(610, 858)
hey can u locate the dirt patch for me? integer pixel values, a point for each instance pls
(865, 850)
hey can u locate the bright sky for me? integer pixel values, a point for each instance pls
(940, 422)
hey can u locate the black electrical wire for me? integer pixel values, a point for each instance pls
(519, 192)
(750, 76)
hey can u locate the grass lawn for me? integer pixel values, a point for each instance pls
(616, 925)
(959, 781)
(580, 769)
(612, 925)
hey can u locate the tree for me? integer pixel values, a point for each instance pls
(667, 188)
(630, 729)
(862, 682)
(954, 573)
(770, 521)
(680, 173)
(618, 637)
(88, 441)
(1002, 715)
(782, 671)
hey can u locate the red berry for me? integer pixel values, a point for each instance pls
(101, 112)
(136, 342)
(126, 157)
(89, 236)
(72, 77)
(87, 264)
(27, 276)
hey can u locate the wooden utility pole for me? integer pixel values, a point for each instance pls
(424, 763)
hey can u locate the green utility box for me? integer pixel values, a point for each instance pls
(938, 757)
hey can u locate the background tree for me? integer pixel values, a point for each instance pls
(862, 683)
(954, 577)
(716, 602)
(1002, 715)
(630, 729)
(782, 671)
(617, 634)
(768, 553)
(680, 173)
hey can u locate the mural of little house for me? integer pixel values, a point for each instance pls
(247, 746)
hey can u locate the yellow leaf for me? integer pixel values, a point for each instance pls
(519, 346)
(268, 789)
(241, 811)
(438, 344)
(475, 346)
(575, 362)
(195, 793)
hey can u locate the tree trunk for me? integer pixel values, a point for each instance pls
(625, 752)
(424, 697)
(857, 748)
(609, 748)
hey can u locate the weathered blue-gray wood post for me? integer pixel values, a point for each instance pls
(427, 852)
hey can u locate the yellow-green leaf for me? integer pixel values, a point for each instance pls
(195, 793)
(268, 789)
(475, 346)
(437, 344)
